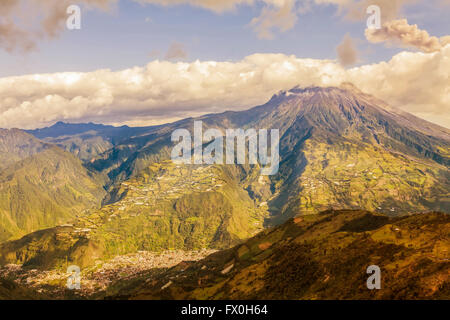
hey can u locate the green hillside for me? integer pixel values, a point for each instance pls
(16, 145)
(167, 206)
(44, 190)
(339, 149)
(344, 173)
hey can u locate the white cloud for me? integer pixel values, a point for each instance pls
(413, 81)
(163, 91)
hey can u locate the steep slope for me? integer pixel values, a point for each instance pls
(16, 145)
(43, 190)
(345, 149)
(323, 256)
(347, 112)
(339, 148)
(167, 206)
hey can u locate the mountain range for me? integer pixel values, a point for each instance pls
(41, 185)
(81, 193)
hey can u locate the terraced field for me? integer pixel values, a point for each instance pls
(351, 175)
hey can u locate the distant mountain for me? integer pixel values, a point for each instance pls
(323, 256)
(85, 140)
(16, 145)
(41, 185)
(339, 149)
(68, 129)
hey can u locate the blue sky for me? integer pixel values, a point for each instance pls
(127, 36)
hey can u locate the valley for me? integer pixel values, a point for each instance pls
(110, 200)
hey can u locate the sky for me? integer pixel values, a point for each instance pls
(144, 62)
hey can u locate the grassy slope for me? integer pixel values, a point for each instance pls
(322, 256)
(16, 145)
(44, 190)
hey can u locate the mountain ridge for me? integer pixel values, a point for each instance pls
(41, 185)
(339, 149)
(16, 144)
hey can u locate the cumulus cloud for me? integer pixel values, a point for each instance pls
(24, 22)
(413, 81)
(162, 90)
(347, 52)
(165, 91)
(445, 40)
(400, 33)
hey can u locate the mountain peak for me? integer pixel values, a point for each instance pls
(349, 86)
(345, 111)
(344, 88)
